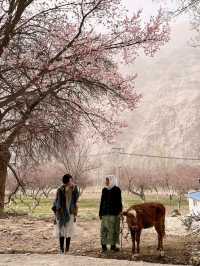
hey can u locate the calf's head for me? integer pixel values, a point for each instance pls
(131, 219)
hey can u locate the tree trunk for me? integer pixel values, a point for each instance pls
(179, 202)
(142, 193)
(4, 160)
(157, 196)
(170, 199)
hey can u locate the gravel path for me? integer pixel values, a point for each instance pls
(57, 260)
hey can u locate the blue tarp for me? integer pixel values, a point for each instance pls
(194, 195)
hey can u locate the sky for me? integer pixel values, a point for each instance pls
(149, 7)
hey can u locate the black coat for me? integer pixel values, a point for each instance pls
(111, 201)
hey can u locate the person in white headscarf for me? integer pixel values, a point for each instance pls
(109, 213)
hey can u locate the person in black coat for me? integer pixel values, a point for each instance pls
(109, 213)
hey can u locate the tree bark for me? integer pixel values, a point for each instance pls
(4, 160)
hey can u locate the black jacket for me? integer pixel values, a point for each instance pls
(111, 201)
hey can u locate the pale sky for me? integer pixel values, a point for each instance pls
(149, 7)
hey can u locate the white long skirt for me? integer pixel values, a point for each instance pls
(66, 230)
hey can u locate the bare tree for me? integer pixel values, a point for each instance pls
(37, 181)
(191, 8)
(77, 161)
(136, 181)
(184, 178)
(184, 6)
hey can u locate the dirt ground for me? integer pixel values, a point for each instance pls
(22, 235)
(57, 260)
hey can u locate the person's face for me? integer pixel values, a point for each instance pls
(70, 182)
(107, 182)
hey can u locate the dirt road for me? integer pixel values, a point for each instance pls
(57, 260)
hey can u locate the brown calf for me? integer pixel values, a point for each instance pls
(143, 216)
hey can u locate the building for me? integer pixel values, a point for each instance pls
(194, 202)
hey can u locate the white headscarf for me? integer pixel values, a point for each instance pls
(113, 181)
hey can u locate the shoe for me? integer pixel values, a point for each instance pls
(104, 248)
(62, 252)
(114, 248)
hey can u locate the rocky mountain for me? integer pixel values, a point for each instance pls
(167, 120)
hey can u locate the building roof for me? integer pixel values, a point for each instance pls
(194, 195)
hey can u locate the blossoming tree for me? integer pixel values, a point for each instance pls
(59, 71)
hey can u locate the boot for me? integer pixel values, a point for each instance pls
(104, 248)
(114, 248)
(61, 239)
(68, 239)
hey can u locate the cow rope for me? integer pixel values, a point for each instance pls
(123, 235)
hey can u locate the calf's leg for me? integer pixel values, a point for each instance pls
(161, 233)
(135, 235)
(138, 233)
(133, 241)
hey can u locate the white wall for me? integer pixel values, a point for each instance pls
(194, 206)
